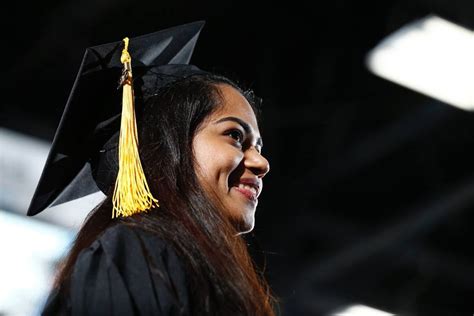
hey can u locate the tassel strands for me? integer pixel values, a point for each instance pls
(131, 194)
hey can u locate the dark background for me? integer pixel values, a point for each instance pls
(370, 195)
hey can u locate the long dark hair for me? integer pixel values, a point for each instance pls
(224, 280)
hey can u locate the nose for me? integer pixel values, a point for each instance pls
(256, 162)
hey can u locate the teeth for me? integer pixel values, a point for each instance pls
(247, 187)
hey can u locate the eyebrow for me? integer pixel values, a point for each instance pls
(244, 125)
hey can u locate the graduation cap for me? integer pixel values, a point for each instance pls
(97, 132)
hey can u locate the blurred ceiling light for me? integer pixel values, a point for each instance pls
(30, 251)
(22, 159)
(360, 310)
(432, 56)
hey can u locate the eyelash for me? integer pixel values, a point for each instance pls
(241, 135)
(236, 131)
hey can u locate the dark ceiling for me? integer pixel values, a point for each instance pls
(371, 190)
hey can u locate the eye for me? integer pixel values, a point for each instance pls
(237, 135)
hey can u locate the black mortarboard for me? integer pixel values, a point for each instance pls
(91, 119)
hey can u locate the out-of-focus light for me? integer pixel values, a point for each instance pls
(72, 214)
(360, 310)
(432, 56)
(30, 250)
(22, 159)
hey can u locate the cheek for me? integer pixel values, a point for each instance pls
(215, 160)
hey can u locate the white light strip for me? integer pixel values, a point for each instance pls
(431, 56)
(22, 159)
(72, 214)
(30, 251)
(360, 310)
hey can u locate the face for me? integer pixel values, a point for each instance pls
(227, 151)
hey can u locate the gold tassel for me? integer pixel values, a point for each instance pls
(131, 194)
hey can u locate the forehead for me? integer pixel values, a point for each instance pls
(236, 105)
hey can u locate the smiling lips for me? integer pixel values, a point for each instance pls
(249, 188)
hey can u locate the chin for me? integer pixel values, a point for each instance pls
(246, 223)
(245, 231)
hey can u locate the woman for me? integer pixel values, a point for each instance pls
(200, 148)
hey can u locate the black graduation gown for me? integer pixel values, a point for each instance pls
(126, 271)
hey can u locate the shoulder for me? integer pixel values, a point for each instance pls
(130, 270)
(122, 240)
(129, 248)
